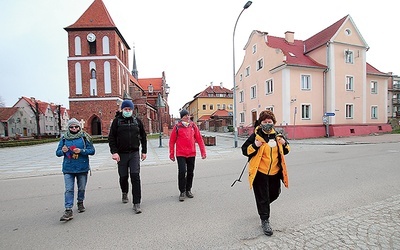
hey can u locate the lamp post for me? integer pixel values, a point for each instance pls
(160, 104)
(235, 132)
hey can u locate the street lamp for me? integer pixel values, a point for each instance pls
(235, 132)
(160, 104)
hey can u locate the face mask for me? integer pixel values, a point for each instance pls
(126, 114)
(266, 128)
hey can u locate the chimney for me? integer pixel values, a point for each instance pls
(289, 36)
(211, 84)
(221, 85)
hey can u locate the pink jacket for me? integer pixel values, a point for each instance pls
(183, 139)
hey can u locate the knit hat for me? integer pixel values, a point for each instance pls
(183, 112)
(127, 103)
(74, 121)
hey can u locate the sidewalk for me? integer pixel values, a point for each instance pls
(40, 160)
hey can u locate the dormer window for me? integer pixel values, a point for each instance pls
(150, 89)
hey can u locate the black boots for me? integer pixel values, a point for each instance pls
(266, 227)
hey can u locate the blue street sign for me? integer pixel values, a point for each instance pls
(329, 114)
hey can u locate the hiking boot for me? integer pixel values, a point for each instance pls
(266, 227)
(136, 208)
(189, 194)
(81, 207)
(125, 198)
(182, 197)
(68, 215)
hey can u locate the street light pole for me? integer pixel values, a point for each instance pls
(247, 5)
(160, 104)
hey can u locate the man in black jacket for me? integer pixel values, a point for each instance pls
(126, 135)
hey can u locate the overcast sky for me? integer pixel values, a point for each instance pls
(190, 40)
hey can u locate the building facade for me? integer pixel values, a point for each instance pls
(322, 86)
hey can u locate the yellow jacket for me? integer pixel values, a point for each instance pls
(256, 154)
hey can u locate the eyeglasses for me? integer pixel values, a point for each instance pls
(74, 127)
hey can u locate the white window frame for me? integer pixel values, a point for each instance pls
(269, 87)
(247, 71)
(374, 112)
(260, 64)
(305, 82)
(306, 111)
(254, 48)
(374, 87)
(253, 92)
(349, 56)
(349, 109)
(242, 117)
(349, 83)
(241, 96)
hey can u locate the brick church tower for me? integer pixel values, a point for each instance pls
(98, 69)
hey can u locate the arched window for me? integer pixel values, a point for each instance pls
(107, 77)
(106, 45)
(92, 74)
(78, 51)
(78, 79)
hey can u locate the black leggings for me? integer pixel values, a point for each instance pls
(185, 173)
(266, 189)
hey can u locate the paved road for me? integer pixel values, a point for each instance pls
(373, 224)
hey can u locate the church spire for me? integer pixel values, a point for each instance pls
(134, 68)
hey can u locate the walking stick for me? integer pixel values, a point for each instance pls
(240, 175)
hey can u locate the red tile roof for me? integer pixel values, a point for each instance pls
(214, 90)
(204, 118)
(7, 113)
(322, 37)
(221, 113)
(372, 70)
(294, 52)
(96, 16)
(155, 82)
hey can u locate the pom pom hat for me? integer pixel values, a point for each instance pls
(74, 121)
(183, 113)
(127, 103)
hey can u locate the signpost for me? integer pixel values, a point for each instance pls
(329, 114)
(325, 120)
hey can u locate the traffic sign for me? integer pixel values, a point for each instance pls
(329, 114)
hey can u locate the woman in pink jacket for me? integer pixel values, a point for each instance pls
(182, 141)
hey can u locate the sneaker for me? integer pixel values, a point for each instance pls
(266, 227)
(81, 207)
(68, 215)
(189, 194)
(137, 208)
(182, 197)
(125, 198)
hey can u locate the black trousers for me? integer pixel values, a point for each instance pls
(185, 173)
(129, 164)
(266, 189)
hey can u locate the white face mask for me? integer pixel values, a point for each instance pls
(126, 114)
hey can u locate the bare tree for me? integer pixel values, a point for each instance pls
(2, 103)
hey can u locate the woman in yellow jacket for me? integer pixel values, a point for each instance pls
(266, 149)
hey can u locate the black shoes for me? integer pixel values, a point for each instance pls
(182, 197)
(68, 215)
(81, 207)
(189, 194)
(266, 227)
(125, 198)
(136, 208)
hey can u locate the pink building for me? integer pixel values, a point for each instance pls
(322, 86)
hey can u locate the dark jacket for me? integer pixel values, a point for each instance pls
(126, 135)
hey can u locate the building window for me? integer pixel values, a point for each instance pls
(253, 92)
(230, 106)
(305, 111)
(349, 57)
(305, 82)
(269, 87)
(349, 83)
(92, 74)
(218, 106)
(78, 79)
(204, 107)
(349, 111)
(247, 71)
(254, 48)
(241, 96)
(92, 48)
(211, 107)
(106, 45)
(374, 87)
(241, 77)
(78, 51)
(223, 106)
(242, 118)
(374, 112)
(260, 64)
(270, 108)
